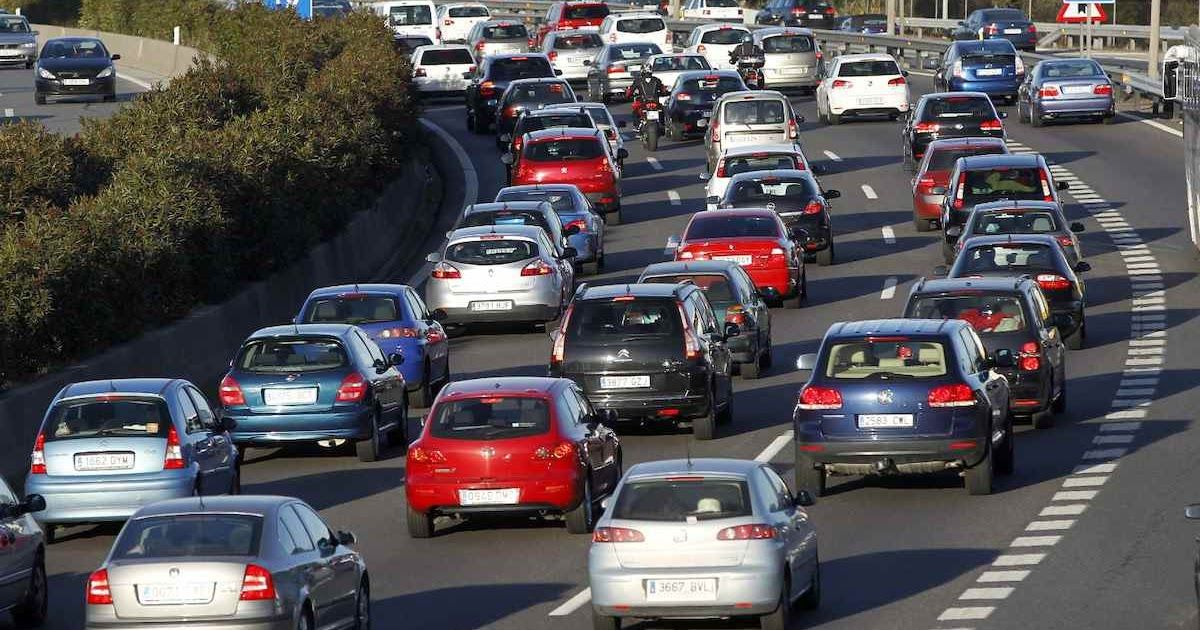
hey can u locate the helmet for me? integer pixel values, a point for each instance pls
(747, 38)
(647, 69)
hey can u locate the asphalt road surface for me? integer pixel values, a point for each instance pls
(63, 116)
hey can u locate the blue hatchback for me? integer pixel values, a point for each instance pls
(902, 396)
(395, 318)
(323, 383)
(991, 66)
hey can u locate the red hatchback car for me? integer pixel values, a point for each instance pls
(571, 15)
(934, 173)
(758, 240)
(514, 445)
(568, 155)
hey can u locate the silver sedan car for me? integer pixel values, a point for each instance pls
(703, 538)
(581, 223)
(499, 273)
(233, 563)
(1059, 89)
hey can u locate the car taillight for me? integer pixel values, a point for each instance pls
(398, 333)
(1045, 179)
(840, 83)
(813, 207)
(757, 531)
(445, 271)
(487, 89)
(438, 33)
(958, 191)
(991, 125)
(257, 584)
(815, 397)
(562, 450)
(98, 592)
(479, 46)
(536, 268)
(173, 457)
(926, 127)
(897, 81)
(926, 183)
(559, 349)
(230, 392)
(352, 389)
(37, 459)
(1052, 282)
(419, 72)
(1019, 65)
(957, 395)
(1049, 91)
(1065, 240)
(735, 314)
(991, 29)
(682, 96)
(1102, 90)
(581, 224)
(1031, 28)
(716, 132)
(423, 455)
(691, 347)
(957, 69)
(829, 11)
(793, 131)
(552, 55)
(1031, 356)
(721, 168)
(617, 535)
(797, 11)
(670, 37)
(615, 69)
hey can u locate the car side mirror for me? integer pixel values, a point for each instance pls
(622, 153)
(604, 503)
(433, 257)
(508, 159)
(557, 72)
(569, 252)
(954, 231)
(571, 230)
(1058, 320)
(904, 73)
(295, 320)
(1002, 114)
(1003, 358)
(468, 75)
(607, 417)
(587, 62)
(819, 169)
(800, 120)
(621, 124)
(115, 57)
(226, 423)
(832, 194)
(1192, 511)
(806, 362)
(1082, 266)
(732, 330)
(803, 498)
(704, 176)
(32, 503)
(941, 270)
(1077, 227)
(937, 190)
(672, 245)
(380, 365)
(504, 137)
(797, 233)
(1062, 185)
(346, 538)
(396, 359)
(961, 23)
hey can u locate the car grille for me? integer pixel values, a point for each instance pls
(9, 46)
(71, 74)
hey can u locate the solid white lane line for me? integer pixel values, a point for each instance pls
(1018, 559)
(889, 235)
(1073, 509)
(774, 447)
(1004, 576)
(573, 604)
(138, 82)
(652, 161)
(1153, 123)
(1048, 526)
(994, 592)
(889, 288)
(966, 614)
(869, 192)
(833, 156)
(674, 197)
(1075, 495)
(1035, 541)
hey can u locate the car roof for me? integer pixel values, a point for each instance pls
(441, 47)
(293, 330)
(777, 147)
(969, 141)
(1016, 204)
(492, 206)
(635, 14)
(984, 45)
(526, 187)
(866, 57)
(794, 173)
(688, 266)
(700, 74)
(783, 30)
(73, 38)
(563, 132)
(616, 290)
(941, 95)
(550, 111)
(535, 80)
(149, 386)
(752, 95)
(869, 327)
(695, 466)
(523, 231)
(1018, 239)
(704, 28)
(737, 212)
(1000, 159)
(344, 289)
(505, 56)
(502, 22)
(987, 284)
(242, 504)
(500, 384)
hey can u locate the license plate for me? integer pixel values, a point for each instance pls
(1012, 31)
(706, 113)
(757, 137)
(703, 122)
(650, 115)
(77, 81)
(579, 60)
(624, 382)
(871, 100)
(795, 70)
(885, 420)
(741, 260)
(989, 72)
(492, 305)
(1077, 89)
(693, 590)
(167, 594)
(9, 52)
(814, 16)
(290, 396)
(104, 461)
(502, 496)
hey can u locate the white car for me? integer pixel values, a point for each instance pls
(622, 28)
(712, 10)
(862, 85)
(715, 41)
(667, 67)
(410, 18)
(440, 69)
(568, 50)
(744, 159)
(457, 20)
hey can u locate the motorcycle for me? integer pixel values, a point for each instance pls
(651, 127)
(750, 69)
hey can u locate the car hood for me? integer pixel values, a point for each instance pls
(17, 38)
(54, 64)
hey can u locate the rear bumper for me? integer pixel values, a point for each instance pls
(888, 103)
(781, 281)
(605, 201)
(94, 500)
(278, 429)
(650, 405)
(775, 78)
(751, 588)
(1102, 106)
(24, 57)
(1024, 41)
(964, 447)
(554, 492)
(251, 616)
(519, 313)
(991, 88)
(927, 206)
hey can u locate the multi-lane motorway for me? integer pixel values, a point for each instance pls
(897, 553)
(16, 100)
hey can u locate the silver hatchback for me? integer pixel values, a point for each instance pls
(791, 57)
(233, 563)
(499, 273)
(498, 37)
(703, 538)
(750, 118)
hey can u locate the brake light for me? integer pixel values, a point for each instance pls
(487, 89)
(615, 69)
(559, 350)
(897, 81)
(617, 535)
(670, 37)
(816, 397)
(230, 392)
(445, 271)
(682, 96)
(927, 127)
(552, 55)
(757, 531)
(691, 348)
(398, 333)
(1049, 91)
(98, 593)
(1046, 195)
(991, 29)
(425, 455)
(840, 83)
(1052, 282)
(562, 450)
(721, 168)
(1031, 356)
(1032, 28)
(1019, 65)
(926, 183)
(1064, 240)
(173, 458)
(353, 388)
(813, 207)
(957, 395)
(536, 268)
(958, 191)
(829, 11)
(957, 69)
(991, 125)
(37, 459)
(797, 11)
(419, 72)
(578, 223)
(257, 584)
(1103, 90)
(735, 314)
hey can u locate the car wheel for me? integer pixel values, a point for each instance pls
(28, 65)
(751, 370)
(50, 532)
(579, 520)
(368, 449)
(978, 478)
(613, 217)
(1110, 119)
(825, 256)
(604, 622)
(674, 131)
(948, 253)
(110, 98)
(705, 426)
(362, 612)
(470, 121)
(780, 618)
(811, 598)
(235, 484)
(768, 357)
(808, 476)
(1060, 403)
(1075, 339)
(306, 622)
(834, 119)
(725, 416)
(423, 396)
(1006, 456)
(419, 525)
(398, 436)
(1035, 117)
(31, 612)
(40, 99)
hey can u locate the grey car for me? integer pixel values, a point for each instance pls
(107, 448)
(703, 538)
(612, 70)
(498, 37)
(229, 563)
(1022, 217)
(791, 57)
(18, 42)
(23, 592)
(582, 225)
(1066, 89)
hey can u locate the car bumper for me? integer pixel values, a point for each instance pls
(1024, 41)
(251, 616)
(905, 456)
(820, 234)
(875, 103)
(573, 73)
(927, 206)
(1029, 392)
(649, 405)
(991, 88)
(115, 498)
(605, 201)
(22, 57)
(618, 85)
(518, 313)
(428, 86)
(539, 303)
(554, 491)
(265, 429)
(780, 281)
(1102, 106)
(777, 77)
(55, 87)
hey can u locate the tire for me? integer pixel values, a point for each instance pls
(306, 622)
(948, 253)
(235, 484)
(1060, 403)
(368, 449)
(110, 98)
(1006, 456)
(808, 477)
(423, 396)
(31, 612)
(1035, 117)
(419, 525)
(470, 122)
(650, 139)
(580, 519)
(675, 132)
(604, 622)
(834, 119)
(1043, 420)
(978, 479)
(1109, 119)
(751, 370)
(825, 256)
(362, 607)
(780, 618)
(705, 426)
(725, 416)
(50, 533)
(40, 99)
(1075, 340)
(613, 217)
(923, 225)
(811, 598)
(398, 437)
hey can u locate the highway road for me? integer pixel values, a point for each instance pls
(1074, 539)
(16, 100)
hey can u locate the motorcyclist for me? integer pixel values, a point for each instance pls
(646, 87)
(745, 50)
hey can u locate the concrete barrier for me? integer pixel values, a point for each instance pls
(153, 56)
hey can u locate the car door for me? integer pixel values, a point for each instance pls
(313, 574)
(14, 566)
(995, 386)
(196, 438)
(718, 350)
(437, 344)
(222, 455)
(1053, 346)
(386, 382)
(801, 540)
(338, 563)
(760, 313)
(600, 438)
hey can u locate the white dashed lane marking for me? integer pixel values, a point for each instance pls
(869, 192)
(573, 604)
(833, 156)
(889, 288)
(889, 235)
(674, 197)
(654, 163)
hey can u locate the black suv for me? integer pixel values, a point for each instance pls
(491, 78)
(530, 120)
(524, 95)
(948, 115)
(652, 352)
(806, 13)
(1008, 313)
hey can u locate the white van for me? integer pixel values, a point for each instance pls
(457, 20)
(410, 17)
(715, 41)
(625, 28)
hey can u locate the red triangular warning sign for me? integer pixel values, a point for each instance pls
(1080, 12)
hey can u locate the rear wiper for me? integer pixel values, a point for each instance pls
(891, 375)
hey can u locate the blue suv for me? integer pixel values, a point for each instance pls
(902, 396)
(991, 66)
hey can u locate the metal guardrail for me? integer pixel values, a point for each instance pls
(1131, 31)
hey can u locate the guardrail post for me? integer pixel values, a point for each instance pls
(1155, 48)
(176, 35)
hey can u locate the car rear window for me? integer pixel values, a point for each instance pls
(943, 159)
(1014, 258)
(506, 31)
(1010, 15)
(1002, 183)
(679, 62)
(989, 57)
(764, 162)
(1072, 69)
(468, 12)
(720, 225)
(711, 87)
(621, 320)
(754, 112)
(577, 41)
(586, 12)
(499, 251)
(352, 309)
(723, 35)
(772, 190)
(868, 68)
(504, 217)
(721, 4)
(552, 92)
(787, 44)
(510, 68)
(537, 123)
(189, 535)
(561, 201)
(958, 107)
(453, 56)
(1025, 222)
(564, 149)
(886, 359)
(715, 286)
(108, 416)
(495, 418)
(417, 14)
(683, 498)
(634, 51)
(987, 314)
(641, 25)
(293, 354)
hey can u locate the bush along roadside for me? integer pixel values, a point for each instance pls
(236, 169)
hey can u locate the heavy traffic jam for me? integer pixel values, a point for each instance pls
(979, 346)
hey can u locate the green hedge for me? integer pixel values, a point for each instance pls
(236, 169)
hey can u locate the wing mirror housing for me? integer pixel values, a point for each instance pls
(732, 330)
(705, 175)
(712, 200)
(115, 57)
(1192, 511)
(607, 417)
(1062, 185)
(798, 233)
(396, 359)
(569, 252)
(622, 153)
(803, 498)
(941, 271)
(433, 257)
(571, 230)
(1082, 266)
(468, 75)
(954, 231)
(1077, 227)
(557, 72)
(508, 159)
(806, 362)
(1002, 114)
(672, 244)
(346, 538)
(832, 194)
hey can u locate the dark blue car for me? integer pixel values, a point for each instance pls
(991, 66)
(395, 317)
(902, 396)
(322, 383)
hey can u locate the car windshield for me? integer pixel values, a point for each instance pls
(1002, 183)
(497, 251)
(108, 416)
(709, 88)
(352, 309)
(577, 41)
(504, 217)
(511, 68)
(634, 51)
(758, 192)
(723, 35)
(763, 162)
(886, 358)
(1025, 222)
(723, 225)
(562, 201)
(715, 286)
(787, 44)
(329, 11)
(505, 31)
(410, 15)
(189, 535)
(303, 354)
(586, 12)
(943, 159)
(987, 314)
(1010, 258)
(564, 149)
(868, 68)
(1071, 70)
(679, 62)
(448, 57)
(13, 25)
(612, 321)
(548, 121)
(79, 49)
(956, 107)
(468, 12)
(682, 498)
(641, 25)
(754, 112)
(494, 418)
